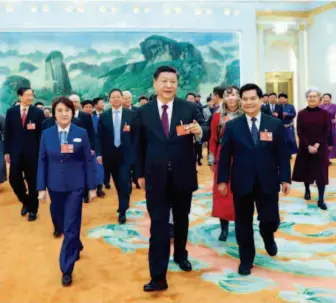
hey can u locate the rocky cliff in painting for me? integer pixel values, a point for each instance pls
(56, 74)
(157, 51)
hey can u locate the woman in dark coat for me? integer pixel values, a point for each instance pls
(313, 128)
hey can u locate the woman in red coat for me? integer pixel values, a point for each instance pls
(230, 109)
(312, 161)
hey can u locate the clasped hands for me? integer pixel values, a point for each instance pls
(313, 149)
(223, 188)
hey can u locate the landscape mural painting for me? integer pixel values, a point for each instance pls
(92, 63)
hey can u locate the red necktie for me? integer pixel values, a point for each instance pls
(24, 116)
(164, 120)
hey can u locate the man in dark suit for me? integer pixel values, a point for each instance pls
(265, 106)
(167, 170)
(255, 145)
(50, 122)
(99, 105)
(21, 147)
(274, 108)
(116, 146)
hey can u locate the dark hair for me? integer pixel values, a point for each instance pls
(22, 90)
(208, 99)
(96, 100)
(218, 91)
(272, 94)
(64, 100)
(86, 102)
(251, 86)
(38, 103)
(115, 90)
(165, 69)
(266, 95)
(230, 88)
(142, 98)
(327, 94)
(190, 94)
(283, 95)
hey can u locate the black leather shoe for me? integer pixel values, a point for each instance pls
(155, 286)
(307, 196)
(100, 192)
(271, 248)
(66, 280)
(185, 265)
(24, 210)
(122, 219)
(171, 230)
(86, 199)
(57, 233)
(32, 217)
(244, 269)
(322, 205)
(199, 163)
(107, 186)
(223, 235)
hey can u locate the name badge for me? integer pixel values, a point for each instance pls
(127, 128)
(31, 126)
(67, 148)
(266, 136)
(182, 129)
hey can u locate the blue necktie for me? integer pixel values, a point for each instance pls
(116, 126)
(254, 131)
(63, 136)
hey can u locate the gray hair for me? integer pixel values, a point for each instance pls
(74, 97)
(127, 93)
(313, 90)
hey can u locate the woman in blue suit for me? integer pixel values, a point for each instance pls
(66, 168)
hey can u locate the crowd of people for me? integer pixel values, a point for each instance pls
(71, 151)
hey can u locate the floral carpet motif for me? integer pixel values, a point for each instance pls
(303, 271)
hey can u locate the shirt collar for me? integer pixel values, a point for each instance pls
(67, 129)
(22, 107)
(258, 117)
(118, 109)
(169, 104)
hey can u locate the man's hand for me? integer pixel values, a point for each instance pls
(312, 150)
(92, 152)
(195, 128)
(275, 114)
(285, 114)
(286, 188)
(222, 188)
(42, 196)
(142, 183)
(100, 160)
(7, 158)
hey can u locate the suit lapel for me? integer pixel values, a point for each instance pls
(29, 115)
(155, 115)
(109, 120)
(18, 114)
(175, 120)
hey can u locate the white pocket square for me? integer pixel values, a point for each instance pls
(77, 140)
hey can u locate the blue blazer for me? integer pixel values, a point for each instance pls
(65, 172)
(291, 113)
(266, 162)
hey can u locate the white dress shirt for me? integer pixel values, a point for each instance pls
(76, 113)
(272, 108)
(60, 129)
(21, 109)
(170, 105)
(257, 122)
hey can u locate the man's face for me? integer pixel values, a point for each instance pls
(283, 100)
(116, 99)
(211, 104)
(191, 98)
(272, 99)
(88, 108)
(166, 86)
(251, 103)
(100, 105)
(143, 101)
(76, 101)
(40, 106)
(198, 99)
(27, 98)
(265, 99)
(127, 100)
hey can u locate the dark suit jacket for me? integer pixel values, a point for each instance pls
(65, 172)
(267, 162)
(19, 140)
(266, 109)
(277, 109)
(105, 136)
(155, 150)
(88, 125)
(50, 122)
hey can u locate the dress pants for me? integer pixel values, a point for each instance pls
(159, 204)
(121, 175)
(268, 216)
(67, 216)
(107, 175)
(28, 167)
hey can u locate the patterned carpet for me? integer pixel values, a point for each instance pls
(113, 267)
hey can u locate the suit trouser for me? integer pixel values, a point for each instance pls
(121, 175)
(16, 180)
(107, 175)
(268, 216)
(159, 204)
(67, 215)
(198, 150)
